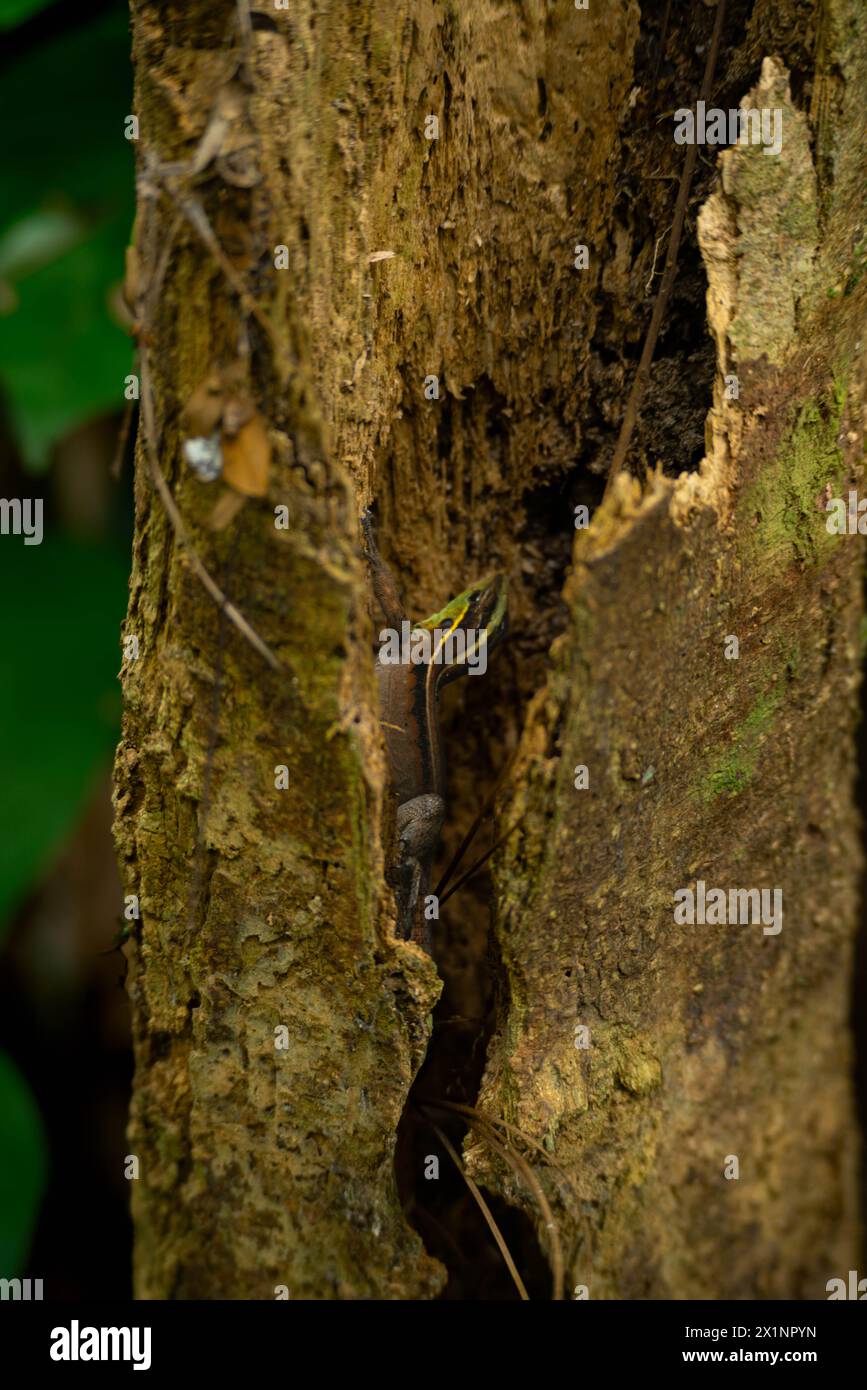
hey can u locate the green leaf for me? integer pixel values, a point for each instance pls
(61, 605)
(37, 239)
(22, 1168)
(62, 359)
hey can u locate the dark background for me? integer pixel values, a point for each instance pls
(66, 215)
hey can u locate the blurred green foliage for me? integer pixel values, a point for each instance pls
(61, 605)
(68, 202)
(14, 12)
(65, 220)
(60, 608)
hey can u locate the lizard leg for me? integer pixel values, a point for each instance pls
(419, 823)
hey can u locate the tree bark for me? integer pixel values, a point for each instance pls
(278, 1022)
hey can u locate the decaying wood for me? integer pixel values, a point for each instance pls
(711, 1041)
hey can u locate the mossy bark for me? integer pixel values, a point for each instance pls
(278, 1024)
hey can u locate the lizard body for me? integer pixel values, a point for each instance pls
(409, 715)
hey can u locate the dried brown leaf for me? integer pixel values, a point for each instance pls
(247, 459)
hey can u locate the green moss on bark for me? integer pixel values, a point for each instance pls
(732, 769)
(783, 514)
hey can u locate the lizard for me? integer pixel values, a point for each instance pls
(409, 716)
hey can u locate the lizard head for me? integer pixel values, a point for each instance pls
(480, 614)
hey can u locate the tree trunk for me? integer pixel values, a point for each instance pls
(328, 249)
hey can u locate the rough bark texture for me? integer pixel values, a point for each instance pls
(262, 909)
(709, 1040)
